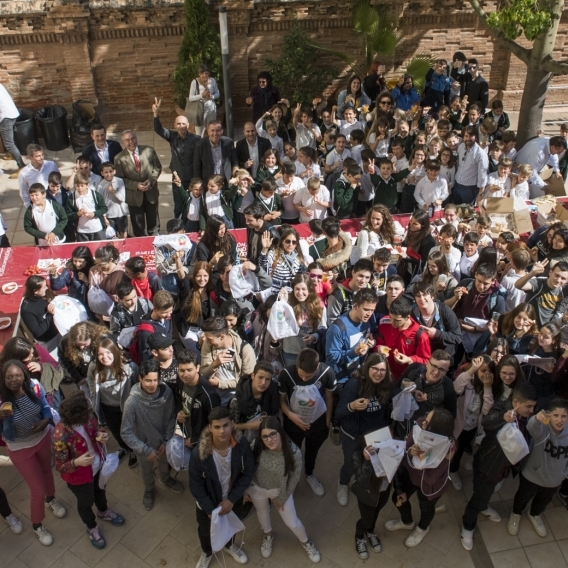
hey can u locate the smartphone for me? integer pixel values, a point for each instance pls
(495, 317)
(231, 352)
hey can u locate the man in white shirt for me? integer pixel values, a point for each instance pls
(37, 171)
(472, 164)
(8, 115)
(312, 201)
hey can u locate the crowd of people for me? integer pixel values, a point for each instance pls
(438, 330)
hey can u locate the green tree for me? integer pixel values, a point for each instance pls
(298, 73)
(200, 45)
(538, 21)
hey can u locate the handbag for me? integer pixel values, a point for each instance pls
(512, 442)
(194, 110)
(108, 467)
(282, 321)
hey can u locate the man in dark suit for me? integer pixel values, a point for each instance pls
(140, 168)
(215, 154)
(250, 150)
(101, 150)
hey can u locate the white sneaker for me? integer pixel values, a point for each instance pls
(43, 536)
(398, 525)
(513, 524)
(204, 561)
(56, 508)
(416, 537)
(315, 485)
(492, 515)
(538, 525)
(498, 487)
(237, 553)
(312, 551)
(468, 464)
(467, 539)
(266, 546)
(14, 523)
(343, 494)
(456, 481)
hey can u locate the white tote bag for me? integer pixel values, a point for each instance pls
(282, 321)
(223, 529)
(108, 467)
(242, 282)
(308, 403)
(434, 446)
(110, 233)
(512, 442)
(177, 453)
(403, 405)
(68, 312)
(99, 301)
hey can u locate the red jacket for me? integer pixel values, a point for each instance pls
(405, 342)
(68, 445)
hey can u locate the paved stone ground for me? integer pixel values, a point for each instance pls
(167, 535)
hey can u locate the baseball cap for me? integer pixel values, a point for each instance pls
(159, 341)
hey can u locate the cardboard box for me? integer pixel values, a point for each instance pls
(503, 208)
(555, 186)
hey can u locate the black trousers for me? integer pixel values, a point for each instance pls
(427, 506)
(483, 488)
(89, 237)
(204, 531)
(4, 242)
(314, 437)
(89, 494)
(178, 197)
(191, 226)
(464, 439)
(113, 417)
(145, 216)
(5, 510)
(369, 515)
(541, 496)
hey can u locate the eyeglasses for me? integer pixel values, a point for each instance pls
(508, 374)
(377, 369)
(268, 437)
(290, 242)
(385, 103)
(437, 369)
(315, 276)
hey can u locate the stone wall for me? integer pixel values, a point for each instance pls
(121, 53)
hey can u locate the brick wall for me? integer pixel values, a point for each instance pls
(121, 53)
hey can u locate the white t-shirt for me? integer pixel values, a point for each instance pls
(45, 220)
(290, 212)
(334, 156)
(382, 149)
(503, 183)
(521, 191)
(514, 295)
(194, 206)
(466, 264)
(356, 154)
(305, 199)
(305, 136)
(87, 202)
(300, 169)
(223, 465)
(213, 204)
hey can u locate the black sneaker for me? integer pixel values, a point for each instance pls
(374, 541)
(245, 511)
(148, 499)
(361, 548)
(121, 454)
(132, 460)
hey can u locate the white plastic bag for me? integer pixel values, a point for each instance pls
(434, 446)
(403, 405)
(177, 453)
(110, 233)
(223, 529)
(512, 442)
(68, 312)
(388, 457)
(308, 403)
(176, 241)
(99, 301)
(242, 282)
(282, 321)
(108, 467)
(126, 336)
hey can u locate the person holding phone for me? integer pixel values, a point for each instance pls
(78, 448)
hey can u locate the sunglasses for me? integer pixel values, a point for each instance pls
(385, 103)
(290, 242)
(316, 276)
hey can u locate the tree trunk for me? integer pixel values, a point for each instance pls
(532, 103)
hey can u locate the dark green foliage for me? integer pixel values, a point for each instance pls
(201, 44)
(297, 73)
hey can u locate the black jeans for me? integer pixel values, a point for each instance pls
(483, 488)
(541, 496)
(348, 445)
(369, 515)
(427, 506)
(113, 417)
(5, 510)
(88, 237)
(4, 242)
(7, 133)
(178, 197)
(315, 437)
(204, 531)
(88, 494)
(191, 226)
(464, 439)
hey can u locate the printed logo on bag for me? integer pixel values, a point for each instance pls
(63, 305)
(308, 403)
(182, 240)
(280, 315)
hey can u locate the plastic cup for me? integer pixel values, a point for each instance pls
(547, 416)
(100, 435)
(7, 406)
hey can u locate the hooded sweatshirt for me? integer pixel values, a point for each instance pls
(148, 420)
(480, 305)
(546, 464)
(336, 258)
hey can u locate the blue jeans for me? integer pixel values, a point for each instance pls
(464, 193)
(7, 133)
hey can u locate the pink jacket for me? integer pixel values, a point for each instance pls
(463, 386)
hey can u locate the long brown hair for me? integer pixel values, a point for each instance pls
(368, 389)
(439, 258)
(33, 284)
(387, 228)
(117, 370)
(508, 325)
(312, 304)
(83, 331)
(272, 423)
(279, 250)
(211, 238)
(415, 238)
(191, 309)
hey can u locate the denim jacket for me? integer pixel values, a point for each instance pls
(7, 429)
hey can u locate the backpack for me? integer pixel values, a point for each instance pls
(134, 351)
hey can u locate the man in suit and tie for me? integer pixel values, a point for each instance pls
(140, 168)
(250, 150)
(101, 150)
(215, 154)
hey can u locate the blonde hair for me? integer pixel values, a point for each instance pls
(314, 183)
(526, 170)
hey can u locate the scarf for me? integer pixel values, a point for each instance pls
(142, 288)
(290, 259)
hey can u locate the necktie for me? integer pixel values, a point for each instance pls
(136, 162)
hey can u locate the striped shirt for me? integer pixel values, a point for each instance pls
(282, 273)
(472, 166)
(27, 413)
